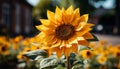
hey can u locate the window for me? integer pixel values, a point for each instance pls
(18, 18)
(27, 20)
(6, 14)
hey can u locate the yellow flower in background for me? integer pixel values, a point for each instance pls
(92, 44)
(105, 53)
(110, 48)
(2, 39)
(15, 42)
(86, 54)
(116, 52)
(18, 38)
(102, 59)
(102, 43)
(118, 46)
(118, 66)
(33, 47)
(26, 42)
(64, 29)
(4, 48)
(21, 56)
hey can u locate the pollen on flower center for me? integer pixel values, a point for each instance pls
(64, 31)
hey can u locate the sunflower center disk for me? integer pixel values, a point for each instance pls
(88, 53)
(4, 49)
(64, 32)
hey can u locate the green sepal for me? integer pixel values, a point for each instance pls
(95, 38)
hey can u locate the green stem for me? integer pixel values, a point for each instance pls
(68, 63)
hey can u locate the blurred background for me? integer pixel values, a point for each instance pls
(19, 17)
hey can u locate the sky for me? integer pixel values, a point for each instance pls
(108, 4)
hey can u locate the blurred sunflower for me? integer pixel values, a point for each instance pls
(102, 59)
(15, 41)
(86, 54)
(64, 30)
(4, 49)
(116, 53)
(21, 56)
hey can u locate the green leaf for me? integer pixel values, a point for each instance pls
(60, 67)
(33, 54)
(95, 38)
(77, 62)
(77, 66)
(49, 62)
(39, 58)
(84, 48)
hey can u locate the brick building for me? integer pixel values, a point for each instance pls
(16, 16)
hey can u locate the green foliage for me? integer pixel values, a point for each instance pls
(84, 5)
(35, 53)
(77, 66)
(67, 3)
(49, 62)
(40, 10)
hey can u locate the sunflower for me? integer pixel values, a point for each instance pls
(64, 30)
(102, 59)
(15, 41)
(86, 54)
(21, 56)
(4, 49)
(116, 53)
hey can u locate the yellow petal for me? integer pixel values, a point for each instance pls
(47, 23)
(40, 36)
(58, 15)
(47, 39)
(89, 25)
(58, 43)
(53, 41)
(45, 29)
(73, 39)
(69, 10)
(51, 15)
(74, 48)
(58, 51)
(67, 51)
(63, 43)
(88, 36)
(68, 45)
(65, 17)
(82, 41)
(76, 22)
(77, 13)
(57, 10)
(84, 18)
(80, 26)
(83, 31)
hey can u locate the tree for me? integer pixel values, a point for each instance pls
(39, 11)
